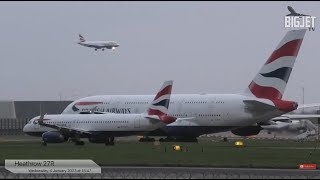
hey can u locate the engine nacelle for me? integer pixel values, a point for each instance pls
(53, 137)
(247, 131)
(97, 140)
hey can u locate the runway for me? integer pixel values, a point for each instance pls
(116, 172)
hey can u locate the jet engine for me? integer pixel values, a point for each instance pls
(247, 131)
(53, 137)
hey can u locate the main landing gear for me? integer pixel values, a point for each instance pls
(77, 141)
(109, 141)
(147, 139)
(171, 139)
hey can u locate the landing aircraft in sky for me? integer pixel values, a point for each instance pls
(294, 13)
(98, 44)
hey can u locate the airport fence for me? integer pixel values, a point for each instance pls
(12, 126)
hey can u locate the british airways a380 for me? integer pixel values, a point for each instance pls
(98, 44)
(244, 113)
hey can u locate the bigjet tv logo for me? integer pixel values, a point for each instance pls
(300, 22)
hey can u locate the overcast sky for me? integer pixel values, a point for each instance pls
(205, 47)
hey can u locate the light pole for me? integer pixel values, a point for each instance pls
(60, 95)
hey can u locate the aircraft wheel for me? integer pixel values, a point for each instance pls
(43, 144)
(107, 143)
(111, 141)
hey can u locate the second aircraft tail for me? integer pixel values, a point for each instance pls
(81, 38)
(159, 106)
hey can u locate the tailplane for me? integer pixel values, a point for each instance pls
(81, 38)
(272, 79)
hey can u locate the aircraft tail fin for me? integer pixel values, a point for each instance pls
(81, 38)
(292, 11)
(272, 79)
(158, 108)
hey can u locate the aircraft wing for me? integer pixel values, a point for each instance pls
(253, 105)
(189, 121)
(297, 14)
(289, 117)
(63, 129)
(280, 118)
(309, 105)
(303, 15)
(299, 116)
(186, 119)
(153, 118)
(278, 126)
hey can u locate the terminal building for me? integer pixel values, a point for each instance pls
(15, 114)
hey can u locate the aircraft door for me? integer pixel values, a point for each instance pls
(212, 105)
(137, 122)
(73, 122)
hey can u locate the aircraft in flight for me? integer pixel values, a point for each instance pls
(200, 114)
(102, 128)
(294, 13)
(98, 44)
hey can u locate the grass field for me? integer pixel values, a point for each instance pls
(256, 153)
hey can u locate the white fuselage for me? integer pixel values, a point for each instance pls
(198, 114)
(99, 44)
(96, 124)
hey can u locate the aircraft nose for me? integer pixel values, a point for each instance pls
(26, 128)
